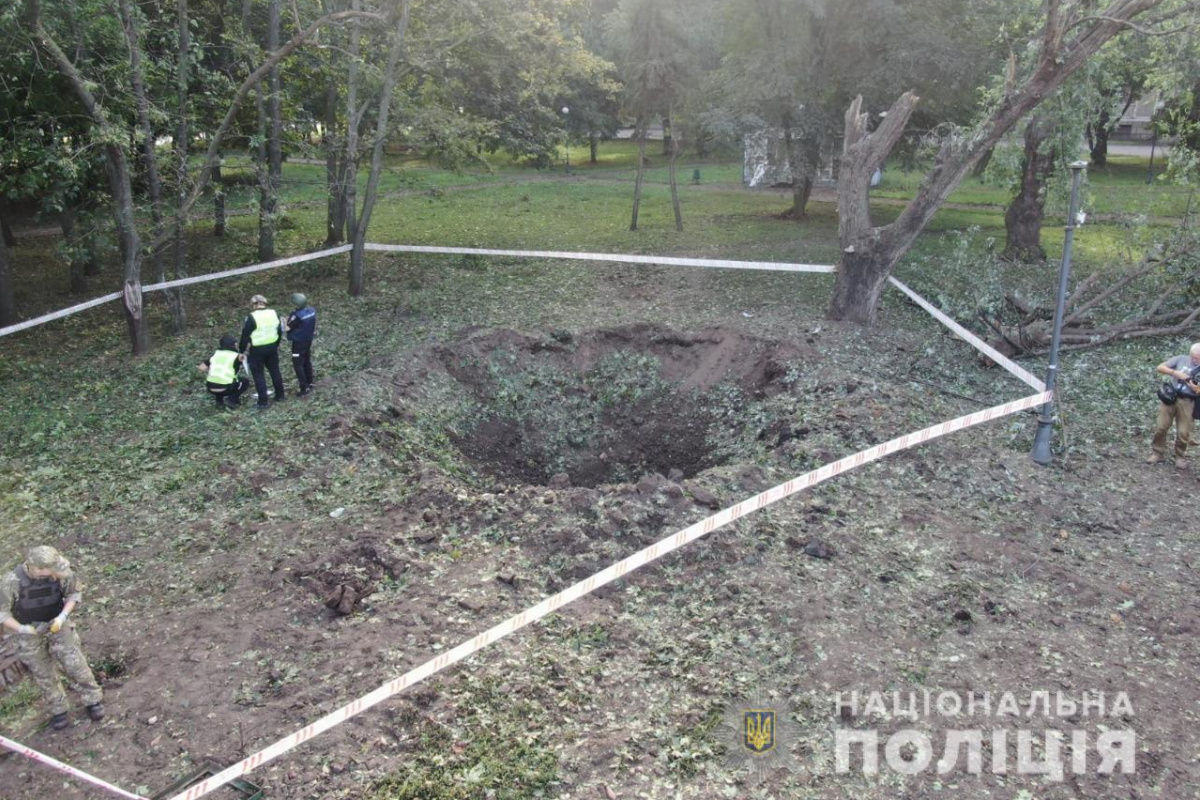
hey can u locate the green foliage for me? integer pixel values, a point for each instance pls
(17, 703)
(497, 750)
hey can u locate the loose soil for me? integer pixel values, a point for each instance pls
(955, 567)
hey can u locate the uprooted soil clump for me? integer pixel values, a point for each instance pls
(601, 407)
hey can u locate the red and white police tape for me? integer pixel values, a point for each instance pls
(17, 747)
(157, 287)
(668, 261)
(995, 355)
(591, 584)
(392, 248)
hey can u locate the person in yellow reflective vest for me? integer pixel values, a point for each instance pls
(260, 342)
(224, 383)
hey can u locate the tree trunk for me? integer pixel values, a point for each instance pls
(641, 173)
(391, 76)
(668, 135)
(868, 253)
(145, 135)
(66, 221)
(982, 164)
(802, 157)
(262, 171)
(92, 238)
(335, 211)
(593, 147)
(182, 140)
(8, 300)
(120, 185)
(7, 233)
(218, 202)
(1098, 139)
(861, 278)
(801, 193)
(353, 117)
(1023, 218)
(275, 115)
(674, 186)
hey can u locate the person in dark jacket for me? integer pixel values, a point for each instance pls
(301, 327)
(260, 342)
(221, 368)
(36, 600)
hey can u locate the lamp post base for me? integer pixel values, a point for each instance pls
(1041, 442)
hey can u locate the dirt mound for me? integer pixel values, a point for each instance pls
(343, 579)
(605, 406)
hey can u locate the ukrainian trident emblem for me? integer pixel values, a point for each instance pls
(760, 736)
(759, 733)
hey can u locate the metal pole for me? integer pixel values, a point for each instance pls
(1041, 441)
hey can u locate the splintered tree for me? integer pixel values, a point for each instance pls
(1071, 33)
(1022, 327)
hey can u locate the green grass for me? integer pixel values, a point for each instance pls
(498, 751)
(88, 430)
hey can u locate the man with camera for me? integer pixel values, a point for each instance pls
(1178, 398)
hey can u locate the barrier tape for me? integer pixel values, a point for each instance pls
(594, 582)
(158, 287)
(280, 262)
(715, 263)
(17, 747)
(63, 312)
(971, 339)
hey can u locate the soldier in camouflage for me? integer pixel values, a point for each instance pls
(36, 600)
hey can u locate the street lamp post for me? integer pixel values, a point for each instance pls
(1041, 441)
(566, 122)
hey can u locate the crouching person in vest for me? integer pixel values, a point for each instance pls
(36, 600)
(260, 342)
(224, 383)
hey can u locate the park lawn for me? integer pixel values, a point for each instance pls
(126, 461)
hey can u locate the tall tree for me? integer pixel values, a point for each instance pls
(1118, 76)
(182, 146)
(1070, 35)
(120, 182)
(390, 78)
(653, 63)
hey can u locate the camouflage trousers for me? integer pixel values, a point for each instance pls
(46, 655)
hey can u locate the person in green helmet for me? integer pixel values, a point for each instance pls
(221, 369)
(36, 600)
(301, 327)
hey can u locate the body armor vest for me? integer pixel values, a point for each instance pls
(38, 600)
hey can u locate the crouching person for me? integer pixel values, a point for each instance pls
(224, 383)
(36, 600)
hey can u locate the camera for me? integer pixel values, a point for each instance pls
(1169, 391)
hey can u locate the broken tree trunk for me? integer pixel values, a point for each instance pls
(1024, 215)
